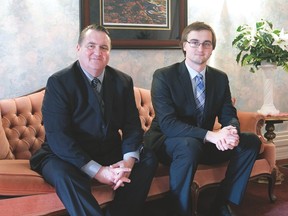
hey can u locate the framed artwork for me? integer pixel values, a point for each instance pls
(139, 24)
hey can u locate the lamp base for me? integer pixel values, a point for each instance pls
(269, 71)
(268, 109)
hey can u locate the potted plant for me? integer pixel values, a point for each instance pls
(266, 48)
(262, 43)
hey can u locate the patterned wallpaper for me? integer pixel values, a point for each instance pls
(39, 38)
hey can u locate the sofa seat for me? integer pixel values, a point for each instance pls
(33, 196)
(17, 179)
(24, 192)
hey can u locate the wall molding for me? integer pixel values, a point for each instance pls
(281, 143)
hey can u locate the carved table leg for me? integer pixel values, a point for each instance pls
(269, 135)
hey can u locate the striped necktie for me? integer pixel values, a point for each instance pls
(96, 84)
(200, 96)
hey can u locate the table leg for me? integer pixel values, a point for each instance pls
(269, 134)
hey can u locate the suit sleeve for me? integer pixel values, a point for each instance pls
(57, 117)
(132, 133)
(228, 114)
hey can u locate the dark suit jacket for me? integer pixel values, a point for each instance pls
(76, 130)
(175, 107)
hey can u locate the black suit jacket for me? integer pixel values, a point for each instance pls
(76, 130)
(175, 107)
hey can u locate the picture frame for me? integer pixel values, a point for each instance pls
(156, 24)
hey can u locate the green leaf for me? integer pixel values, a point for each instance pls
(255, 47)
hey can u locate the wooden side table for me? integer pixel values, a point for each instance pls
(270, 121)
(270, 135)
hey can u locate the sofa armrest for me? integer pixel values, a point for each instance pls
(251, 122)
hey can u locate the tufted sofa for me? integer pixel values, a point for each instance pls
(24, 192)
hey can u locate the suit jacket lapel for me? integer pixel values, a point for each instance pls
(92, 98)
(108, 94)
(209, 85)
(186, 84)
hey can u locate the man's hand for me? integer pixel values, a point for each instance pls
(116, 174)
(128, 163)
(224, 139)
(111, 175)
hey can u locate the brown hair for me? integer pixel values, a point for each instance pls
(93, 27)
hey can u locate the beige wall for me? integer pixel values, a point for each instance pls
(39, 38)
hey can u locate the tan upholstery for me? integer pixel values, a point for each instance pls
(23, 133)
(22, 122)
(144, 106)
(5, 152)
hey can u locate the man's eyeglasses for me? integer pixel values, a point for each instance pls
(196, 44)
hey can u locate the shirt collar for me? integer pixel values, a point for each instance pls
(194, 73)
(90, 77)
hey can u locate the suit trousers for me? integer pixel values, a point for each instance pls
(183, 154)
(73, 187)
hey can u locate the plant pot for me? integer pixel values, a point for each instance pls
(269, 71)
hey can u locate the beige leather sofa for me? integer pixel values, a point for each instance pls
(24, 192)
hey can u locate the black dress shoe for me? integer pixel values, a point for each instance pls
(223, 210)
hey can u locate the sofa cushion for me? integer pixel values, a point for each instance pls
(144, 106)
(18, 179)
(22, 123)
(5, 152)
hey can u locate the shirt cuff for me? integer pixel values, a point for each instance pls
(134, 154)
(91, 168)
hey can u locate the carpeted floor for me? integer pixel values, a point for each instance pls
(256, 200)
(255, 203)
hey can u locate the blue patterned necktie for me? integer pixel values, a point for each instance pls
(96, 84)
(200, 96)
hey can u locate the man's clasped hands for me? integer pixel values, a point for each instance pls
(224, 139)
(116, 174)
